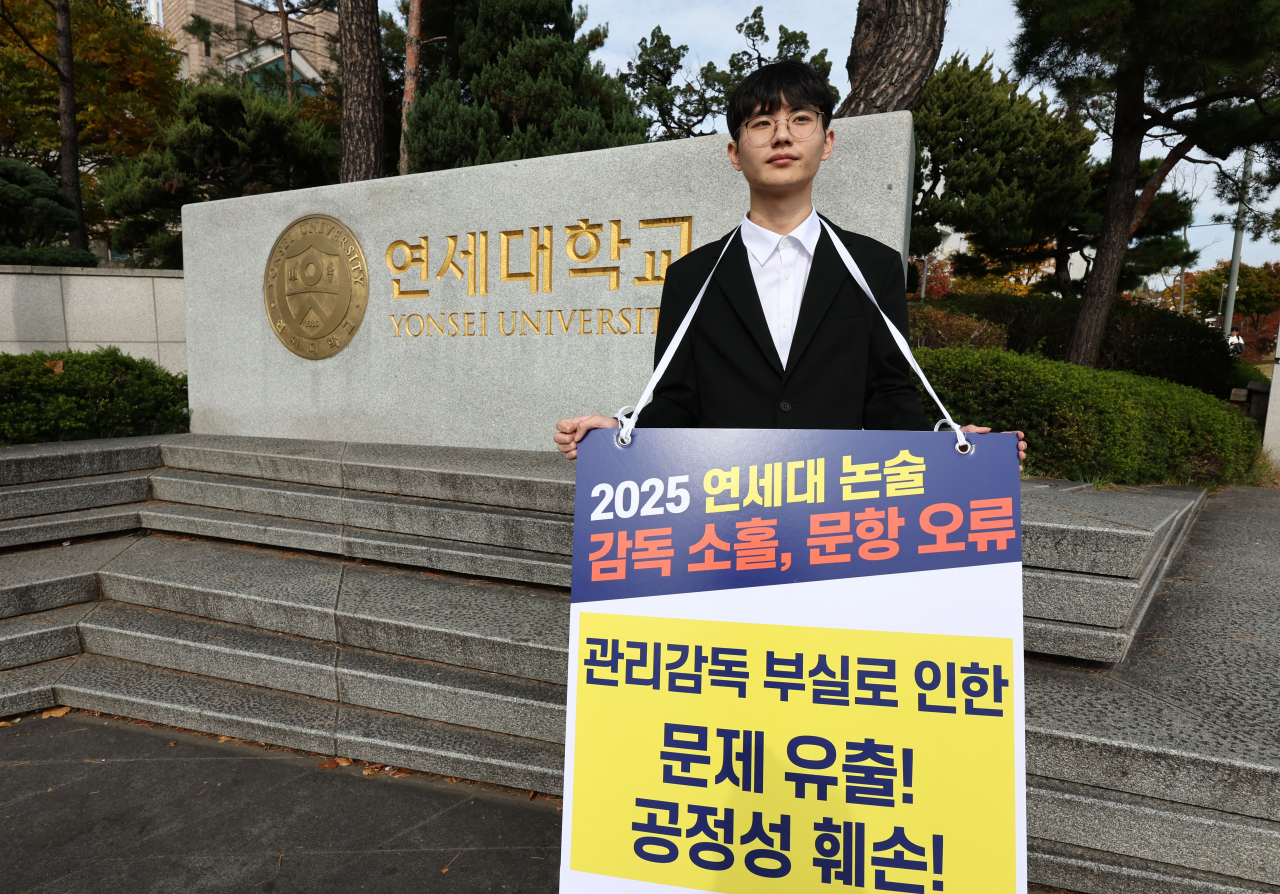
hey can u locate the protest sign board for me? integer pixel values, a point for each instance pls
(795, 661)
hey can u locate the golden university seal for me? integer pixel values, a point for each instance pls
(316, 287)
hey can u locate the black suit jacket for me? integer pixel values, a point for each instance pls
(844, 372)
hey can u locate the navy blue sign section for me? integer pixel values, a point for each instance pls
(693, 510)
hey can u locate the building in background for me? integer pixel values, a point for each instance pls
(246, 37)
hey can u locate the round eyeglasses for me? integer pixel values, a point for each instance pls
(762, 129)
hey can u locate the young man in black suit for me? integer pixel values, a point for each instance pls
(784, 337)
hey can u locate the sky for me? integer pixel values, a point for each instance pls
(973, 27)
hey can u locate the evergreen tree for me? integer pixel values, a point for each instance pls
(34, 217)
(999, 166)
(513, 79)
(225, 142)
(689, 108)
(1195, 73)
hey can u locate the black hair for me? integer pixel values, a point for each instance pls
(764, 91)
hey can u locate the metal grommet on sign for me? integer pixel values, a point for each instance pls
(622, 440)
(965, 448)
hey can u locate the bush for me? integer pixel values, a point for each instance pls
(74, 395)
(1139, 338)
(1098, 425)
(933, 328)
(49, 256)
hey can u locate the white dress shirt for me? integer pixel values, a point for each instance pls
(780, 267)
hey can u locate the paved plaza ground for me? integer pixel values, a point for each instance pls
(97, 804)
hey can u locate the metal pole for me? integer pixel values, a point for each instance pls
(1235, 252)
(1222, 293)
(1182, 279)
(924, 274)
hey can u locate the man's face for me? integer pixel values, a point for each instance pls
(785, 160)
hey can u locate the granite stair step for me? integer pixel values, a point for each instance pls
(308, 667)
(1160, 831)
(247, 527)
(509, 629)
(70, 494)
(449, 750)
(517, 479)
(1091, 729)
(25, 463)
(36, 580)
(30, 688)
(1089, 871)
(382, 546)
(462, 696)
(222, 707)
(1112, 533)
(1096, 617)
(43, 636)
(69, 525)
(471, 523)
(286, 499)
(238, 583)
(547, 569)
(211, 649)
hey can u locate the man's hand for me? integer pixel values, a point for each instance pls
(1022, 444)
(570, 431)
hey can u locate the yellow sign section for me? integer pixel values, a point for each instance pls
(722, 756)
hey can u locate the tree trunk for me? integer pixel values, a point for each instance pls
(287, 45)
(895, 48)
(1126, 154)
(412, 44)
(68, 130)
(360, 45)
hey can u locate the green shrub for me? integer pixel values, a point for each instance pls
(1097, 425)
(1149, 341)
(74, 395)
(49, 256)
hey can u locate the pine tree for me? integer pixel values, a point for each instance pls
(997, 165)
(1195, 73)
(225, 142)
(513, 79)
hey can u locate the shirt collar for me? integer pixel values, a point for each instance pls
(762, 243)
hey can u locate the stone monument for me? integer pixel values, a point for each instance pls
(497, 299)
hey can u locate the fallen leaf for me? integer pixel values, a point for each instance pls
(55, 365)
(401, 774)
(5, 723)
(344, 761)
(532, 795)
(171, 744)
(327, 765)
(55, 712)
(227, 739)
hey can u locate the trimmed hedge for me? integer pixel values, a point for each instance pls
(1098, 425)
(1149, 341)
(77, 395)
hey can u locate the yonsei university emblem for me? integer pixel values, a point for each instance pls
(316, 287)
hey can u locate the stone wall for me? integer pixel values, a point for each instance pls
(142, 312)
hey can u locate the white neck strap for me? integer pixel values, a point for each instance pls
(628, 419)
